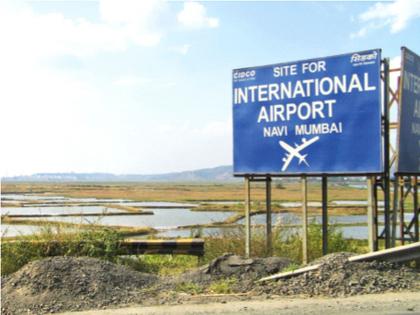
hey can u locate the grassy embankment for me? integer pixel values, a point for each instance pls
(63, 226)
(103, 244)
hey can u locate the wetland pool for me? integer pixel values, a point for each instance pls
(166, 220)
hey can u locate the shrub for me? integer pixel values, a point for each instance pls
(93, 243)
(287, 242)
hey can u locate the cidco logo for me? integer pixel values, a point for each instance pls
(244, 74)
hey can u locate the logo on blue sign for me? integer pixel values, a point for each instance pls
(294, 152)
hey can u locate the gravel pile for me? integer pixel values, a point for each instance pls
(331, 258)
(339, 277)
(69, 283)
(245, 271)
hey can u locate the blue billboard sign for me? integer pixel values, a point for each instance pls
(409, 122)
(317, 116)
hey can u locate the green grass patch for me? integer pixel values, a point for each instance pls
(190, 288)
(160, 264)
(291, 267)
(54, 241)
(223, 286)
(104, 244)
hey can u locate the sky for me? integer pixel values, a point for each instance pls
(144, 87)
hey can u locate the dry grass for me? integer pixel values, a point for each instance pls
(5, 204)
(122, 230)
(277, 208)
(125, 208)
(183, 192)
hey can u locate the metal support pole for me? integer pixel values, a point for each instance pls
(269, 241)
(395, 212)
(402, 219)
(416, 209)
(372, 233)
(386, 156)
(375, 214)
(324, 215)
(304, 220)
(247, 217)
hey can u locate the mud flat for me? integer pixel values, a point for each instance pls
(179, 192)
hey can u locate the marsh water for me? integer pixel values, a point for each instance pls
(167, 217)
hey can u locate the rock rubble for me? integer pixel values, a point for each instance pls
(67, 283)
(70, 283)
(339, 277)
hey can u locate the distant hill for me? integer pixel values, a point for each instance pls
(215, 174)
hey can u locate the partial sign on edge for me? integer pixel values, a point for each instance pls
(409, 121)
(317, 116)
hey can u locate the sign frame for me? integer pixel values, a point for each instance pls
(401, 114)
(380, 124)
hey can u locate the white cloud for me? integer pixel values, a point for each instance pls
(50, 115)
(136, 81)
(121, 23)
(395, 15)
(182, 49)
(131, 11)
(59, 120)
(44, 115)
(51, 34)
(137, 19)
(395, 62)
(131, 80)
(194, 16)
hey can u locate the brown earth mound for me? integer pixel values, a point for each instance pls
(339, 277)
(69, 283)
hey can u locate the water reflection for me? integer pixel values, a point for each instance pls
(162, 218)
(165, 220)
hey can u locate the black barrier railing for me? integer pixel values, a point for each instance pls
(193, 247)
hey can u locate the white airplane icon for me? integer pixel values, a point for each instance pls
(294, 152)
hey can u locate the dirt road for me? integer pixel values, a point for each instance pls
(374, 304)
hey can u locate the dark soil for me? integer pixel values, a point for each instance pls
(66, 283)
(244, 271)
(69, 283)
(339, 277)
